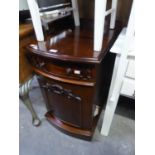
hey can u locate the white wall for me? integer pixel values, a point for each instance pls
(23, 5)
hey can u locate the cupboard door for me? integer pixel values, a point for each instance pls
(70, 103)
(65, 104)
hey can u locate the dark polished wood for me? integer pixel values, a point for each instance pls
(25, 29)
(68, 80)
(26, 36)
(74, 44)
(73, 78)
(86, 9)
(69, 129)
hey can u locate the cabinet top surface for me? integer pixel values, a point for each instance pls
(74, 44)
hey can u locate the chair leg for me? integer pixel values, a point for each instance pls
(113, 15)
(76, 12)
(108, 116)
(99, 20)
(111, 102)
(35, 15)
(24, 96)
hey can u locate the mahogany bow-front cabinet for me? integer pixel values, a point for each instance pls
(73, 78)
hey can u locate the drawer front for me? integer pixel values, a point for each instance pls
(128, 87)
(75, 71)
(70, 103)
(130, 72)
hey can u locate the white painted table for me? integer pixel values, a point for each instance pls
(128, 88)
(127, 82)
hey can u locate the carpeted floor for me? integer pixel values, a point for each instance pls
(46, 140)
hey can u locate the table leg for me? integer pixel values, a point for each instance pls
(24, 96)
(109, 114)
(111, 103)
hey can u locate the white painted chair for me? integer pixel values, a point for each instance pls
(120, 84)
(50, 16)
(36, 20)
(99, 21)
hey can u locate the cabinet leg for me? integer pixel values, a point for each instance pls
(24, 96)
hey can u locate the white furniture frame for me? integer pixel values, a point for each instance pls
(121, 84)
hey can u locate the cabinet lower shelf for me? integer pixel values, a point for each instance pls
(69, 129)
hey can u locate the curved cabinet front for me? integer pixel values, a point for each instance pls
(72, 104)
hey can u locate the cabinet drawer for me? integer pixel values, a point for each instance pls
(130, 72)
(71, 71)
(68, 70)
(128, 87)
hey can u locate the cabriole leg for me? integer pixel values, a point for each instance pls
(24, 96)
